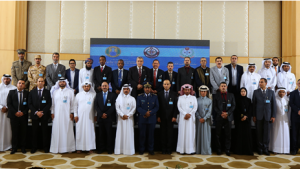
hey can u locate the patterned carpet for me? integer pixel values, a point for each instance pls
(157, 161)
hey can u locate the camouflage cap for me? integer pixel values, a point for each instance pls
(21, 51)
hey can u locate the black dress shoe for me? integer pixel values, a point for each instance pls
(259, 152)
(293, 153)
(141, 153)
(109, 152)
(99, 152)
(13, 151)
(151, 152)
(23, 151)
(46, 150)
(219, 152)
(164, 152)
(33, 151)
(169, 152)
(266, 152)
(227, 153)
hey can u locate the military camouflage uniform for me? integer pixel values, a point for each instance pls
(20, 72)
(34, 73)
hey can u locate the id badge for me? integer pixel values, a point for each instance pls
(104, 78)
(43, 101)
(192, 77)
(291, 82)
(254, 83)
(128, 108)
(206, 109)
(170, 102)
(225, 77)
(87, 77)
(59, 75)
(173, 82)
(25, 73)
(64, 101)
(206, 74)
(191, 106)
(228, 105)
(144, 79)
(24, 103)
(286, 110)
(268, 78)
(40, 74)
(159, 80)
(89, 102)
(108, 104)
(267, 101)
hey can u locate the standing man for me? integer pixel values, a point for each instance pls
(235, 74)
(62, 139)
(286, 79)
(202, 75)
(105, 107)
(171, 76)
(86, 74)
(224, 105)
(119, 77)
(268, 73)
(36, 71)
(5, 126)
(19, 69)
(18, 114)
(275, 66)
(54, 71)
(40, 102)
(167, 115)
(137, 75)
(102, 73)
(264, 113)
(185, 74)
(250, 80)
(72, 75)
(156, 77)
(147, 107)
(218, 74)
(295, 119)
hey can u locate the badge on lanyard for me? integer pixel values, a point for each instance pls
(206, 74)
(173, 82)
(24, 102)
(87, 76)
(291, 81)
(254, 82)
(268, 78)
(191, 106)
(160, 79)
(108, 103)
(286, 108)
(170, 102)
(41, 74)
(25, 73)
(43, 101)
(192, 76)
(267, 100)
(104, 78)
(65, 99)
(128, 107)
(228, 104)
(206, 107)
(224, 76)
(145, 76)
(59, 75)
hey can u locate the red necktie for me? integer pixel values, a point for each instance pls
(154, 79)
(101, 68)
(140, 75)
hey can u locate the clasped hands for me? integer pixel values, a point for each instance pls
(147, 114)
(224, 115)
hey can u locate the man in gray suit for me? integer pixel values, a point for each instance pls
(218, 74)
(264, 113)
(54, 71)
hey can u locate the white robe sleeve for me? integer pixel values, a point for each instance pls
(195, 106)
(76, 101)
(274, 80)
(53, 104)
(119, 111)
(133, 108)
(80, 80)
(181, 110)
(72, 102)
(279, 76)
(243, 81)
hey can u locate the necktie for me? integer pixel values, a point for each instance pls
(22, 63)
(154, 79)
(120, 78)
(264, 93)
(170, 75)
(166, 96)
(104, 98)
(20, 100)
(140, 75)
(101, 68)
(55, 67)
(40, 94)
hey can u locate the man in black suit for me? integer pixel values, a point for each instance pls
(102, 73)
(202, 74)
(105, 107)
(137, 75)
(185, 74)
(40, 102)
(72, 74)
(224, 105)
(156, 77)
(18, 114)
(167, 115)
(171, 76)
(119, 77)
(264, 113)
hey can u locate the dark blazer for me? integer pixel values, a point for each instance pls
(160, 77)
(68, 76)
(52, 76)
(35, 104)
(167, 111)
(239, 73)
(13, 104)
(295, 105)
(147, 103)
(101, 108)
(261, 108)
(133, 78)
(174, 80)
(218, 105)
(185, 78)
(114, 80)
(98, 76)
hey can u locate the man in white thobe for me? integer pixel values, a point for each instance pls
(5, 128)
(250, 80)
(85, 113)
(268, 73)
(126, 107)
(62, 139)
(86, 74)
(187, 106)
(286, 79)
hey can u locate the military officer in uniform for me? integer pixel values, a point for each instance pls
(147, 107)
(36, 71)
(19, 69)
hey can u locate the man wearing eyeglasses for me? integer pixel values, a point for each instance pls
(72, 74)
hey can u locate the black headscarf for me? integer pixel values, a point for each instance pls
(243, 99)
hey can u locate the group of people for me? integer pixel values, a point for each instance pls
(144, 96)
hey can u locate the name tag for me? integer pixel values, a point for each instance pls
(40, 74)
(225, 77)
(104, 78)
(128, 108)
(291, 82)
(245, 110)
(268, 78)
(64, 101)
(43, 101)
(89, 102)
(206, 74)
(145, 79)
(254, 83)
(87, 77)
(59, 75)
(170, 102)
(25, 73)
(120, 79)
(142, 100)
(267, 101)
(192, 77)
(24, 103)
(228, 105)
(173, 82)
(286, 110)
(108, 104)
(191, 106)
(159, 80)
(206, 109)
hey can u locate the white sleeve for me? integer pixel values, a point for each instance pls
(243, 81)
(72, 99)
(181, 111)
(76, 106)
(133, 108)
(118, 109)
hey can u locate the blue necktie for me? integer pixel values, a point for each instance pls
(119, 78)
(104, 98)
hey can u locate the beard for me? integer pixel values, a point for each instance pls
(62, 85)
(88, 68)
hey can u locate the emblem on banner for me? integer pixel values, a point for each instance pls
(151, 52)
(187, 52)
(113, 51)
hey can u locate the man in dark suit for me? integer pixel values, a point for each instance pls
(185, 74)
(171, 76)
(295, 119)
(224, 105)
(39, 102)
(102, 73)
(202, 74)
(147, 106)
(235, 74)
(119, 77)
(72, 74)
(156, 77)
(105, 107)
(54, 71)
(167, 115)
(18, 114)
(264, 113)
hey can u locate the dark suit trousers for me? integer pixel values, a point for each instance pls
(35, 126)
(295, 133)
(149, 129)
(227, 128)
(263, 134)
(19, 131)
(166, 127)
(105, 132)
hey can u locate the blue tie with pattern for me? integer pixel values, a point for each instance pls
(104, 98)
(120, 78)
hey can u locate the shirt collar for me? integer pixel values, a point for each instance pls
(40, 89)
(170, 72)
(138, 67)
(55, 64)
(167, 91)
(120, 69)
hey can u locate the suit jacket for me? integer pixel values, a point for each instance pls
(133, 78)
(201, 78)
(20, 72)
(218, 105)
(185, 78)
(35, 104)
(52, 74)
(295, 106)
(216, 78)
(103, 108)
(143, 104)
(166, 110)
(99, 76)
(114, 81)
(68, 76)
(239, 73)
(159, 79)
(13, 104)
(278, 68)
(174, 80)
(261, 108)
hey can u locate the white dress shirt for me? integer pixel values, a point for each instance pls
(234, 73)
(72, 77)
